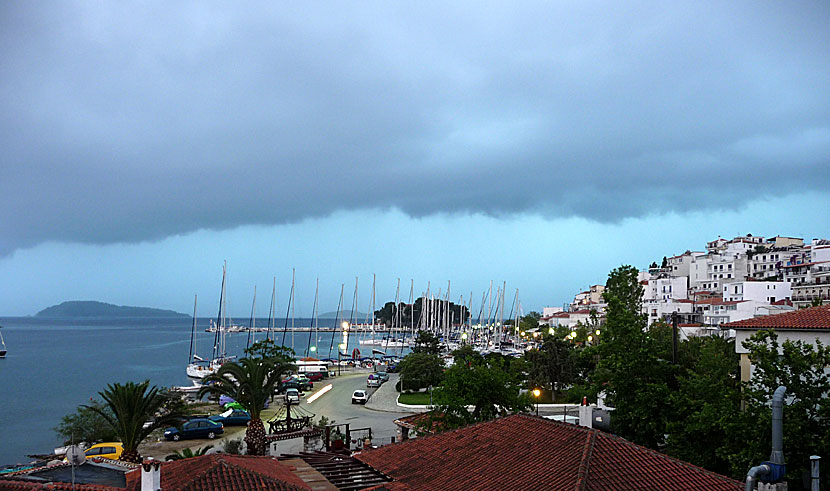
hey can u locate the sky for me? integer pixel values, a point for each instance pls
(536, 146)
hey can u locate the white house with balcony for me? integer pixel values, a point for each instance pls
(758, 291)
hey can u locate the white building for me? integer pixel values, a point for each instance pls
(806, 325)
(759, 291)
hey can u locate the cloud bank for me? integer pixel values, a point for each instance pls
(132, 122)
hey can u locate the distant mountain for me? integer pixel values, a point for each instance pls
(89, 308)
(344, 314)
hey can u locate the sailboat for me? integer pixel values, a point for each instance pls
(3, 343)
(198, 366)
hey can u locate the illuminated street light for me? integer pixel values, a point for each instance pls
(590, 338)
(550, 331)
(536, 393)
(573, 334)
(345, 326)
(597, 332)
(313, 348)
(342, 346)
(463, 335)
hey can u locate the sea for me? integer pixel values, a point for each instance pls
(54, 365)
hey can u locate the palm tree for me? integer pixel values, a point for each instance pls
(188, 453)
(131, 405)
(250, 382)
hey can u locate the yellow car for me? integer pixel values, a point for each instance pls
(109, 450)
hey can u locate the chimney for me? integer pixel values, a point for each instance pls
(150, 475)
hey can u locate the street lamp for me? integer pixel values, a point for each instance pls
(536, 393)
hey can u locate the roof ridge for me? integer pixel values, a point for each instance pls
(585, 463)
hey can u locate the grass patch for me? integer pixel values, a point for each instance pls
(414, 398)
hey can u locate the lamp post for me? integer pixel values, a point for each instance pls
(536, 394)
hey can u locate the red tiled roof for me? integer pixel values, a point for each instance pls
(811, 318)
(719, 301)
(223, 472)
(11, 485)
(783, 301)
(527, 452)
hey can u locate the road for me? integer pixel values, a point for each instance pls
(336, 405)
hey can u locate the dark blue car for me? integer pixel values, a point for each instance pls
(232, 417)
(195, 428)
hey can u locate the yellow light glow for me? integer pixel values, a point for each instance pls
(313, 348)
(550, 331)
(463, 335)
(345, 326)
(537, 392)
(597, 332)
(573, 334)
(522, 333)
(590, 338)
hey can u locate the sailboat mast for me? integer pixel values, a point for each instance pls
(193, 330)
(252, 322)
(336, 321)
(288, 310)
(292, 309)
(272, 312)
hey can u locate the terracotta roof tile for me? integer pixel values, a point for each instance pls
(527, 452)
(223, 472)
(811, 318)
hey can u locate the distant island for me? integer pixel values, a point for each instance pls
(89, 308)
(344, 314)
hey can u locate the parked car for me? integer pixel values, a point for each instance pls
(384, 377)
(195, 428)
(314, 376)
(289, 384)
(109, 450)
(359, 397)
(292, 395)
(392, 368)
(373, 381)
(232, 417)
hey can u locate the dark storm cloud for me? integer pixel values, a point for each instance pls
(128, 123)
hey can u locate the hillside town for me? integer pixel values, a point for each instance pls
(732, 280)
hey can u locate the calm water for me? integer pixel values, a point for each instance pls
(55, 365)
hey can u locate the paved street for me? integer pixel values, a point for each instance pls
(336, 405)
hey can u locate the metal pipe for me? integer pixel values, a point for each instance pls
(777, 455)
(814, 479)
(753, 475)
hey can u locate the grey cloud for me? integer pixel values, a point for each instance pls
(129, 123)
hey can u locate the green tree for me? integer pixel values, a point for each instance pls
(250, 382)
(270, 350)
(127, 407)
(86, 425)
(706, 404)
(188, 453)
(802, 368)
(421, 370)
(426, 342)
(488, 384)
(553, 363)
(530, 321)
(630, 369)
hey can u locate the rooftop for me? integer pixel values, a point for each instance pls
(810, 318)
(527, 452)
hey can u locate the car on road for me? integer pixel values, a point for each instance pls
(232, 417)
(195, 428)
(384, 377)
(373, 381)
(292, 395)
(359, 397)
